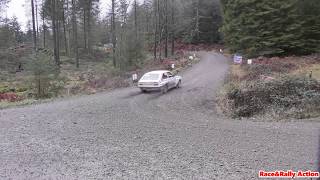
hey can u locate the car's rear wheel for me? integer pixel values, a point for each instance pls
(165, 89)
(179, 84)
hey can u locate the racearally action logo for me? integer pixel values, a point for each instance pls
(288, 174)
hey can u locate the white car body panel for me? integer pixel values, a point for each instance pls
(159, 83)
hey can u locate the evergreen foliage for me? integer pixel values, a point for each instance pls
(199, 21)
(273, 27)
(45, 74)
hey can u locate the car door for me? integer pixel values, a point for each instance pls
(171, 80)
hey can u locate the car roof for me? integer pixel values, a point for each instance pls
(158, 72)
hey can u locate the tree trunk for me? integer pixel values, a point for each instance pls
(58, 35)
(172, 28)
(43, 27)
(69, 28)
(160, 30)
(34, 27)
(155, 31)
(197, 22)
(89, 25)
(84, 28)
(64, 31)
(37, 22)
(166, 29)
(75, 32)
(113, 29)
(135, 28)
(54, 31)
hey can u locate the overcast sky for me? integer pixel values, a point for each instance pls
(21, 9)
(17, 8)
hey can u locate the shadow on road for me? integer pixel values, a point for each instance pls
(157, 94)
(133, 94)
(151, 94)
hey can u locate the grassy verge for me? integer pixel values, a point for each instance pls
(281, 87)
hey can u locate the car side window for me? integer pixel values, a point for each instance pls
(164, 76)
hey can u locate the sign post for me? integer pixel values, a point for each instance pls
(237, 59)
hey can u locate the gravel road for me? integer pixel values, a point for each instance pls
(125, 134)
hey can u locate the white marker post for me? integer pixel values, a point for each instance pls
(134, 78)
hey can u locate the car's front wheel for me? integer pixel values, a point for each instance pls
(143, 90)
(178, 84)
(165, 89)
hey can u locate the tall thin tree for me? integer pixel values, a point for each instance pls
(34, 31)
(37, 22)
(197, 30)
(55, 34)
(64, 28)
(89, 14)
(43, 25)
(75, 32)
(135, 27)
(166, 29)
(113, 29)
(155, 29)
(172, 27)
(85, 26)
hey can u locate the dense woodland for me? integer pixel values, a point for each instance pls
(251, 27)
(70, 27)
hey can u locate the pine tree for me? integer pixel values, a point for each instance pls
(269, 28)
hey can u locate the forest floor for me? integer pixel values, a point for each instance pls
(280, 87)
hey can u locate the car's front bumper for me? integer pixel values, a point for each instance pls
(150, 88)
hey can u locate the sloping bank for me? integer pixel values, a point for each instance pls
(280, 87)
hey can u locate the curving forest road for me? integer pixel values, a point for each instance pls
(125, 134)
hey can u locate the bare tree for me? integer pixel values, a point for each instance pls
(64, 28)
(55, 32)
(135, 25)
(172, 27)
(197, 30)
(113, 32)
(43, 26)
(37, 22)
(160, 29)
(34, 27)
(75, 32)
(166, 29)
(155, 29)
(89, 14)
(85, 27)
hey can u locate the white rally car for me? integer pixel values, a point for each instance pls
(159, 80)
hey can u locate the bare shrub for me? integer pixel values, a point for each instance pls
(285, 93)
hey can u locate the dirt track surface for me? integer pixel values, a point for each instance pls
(125, 134)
